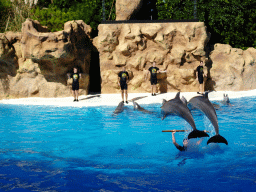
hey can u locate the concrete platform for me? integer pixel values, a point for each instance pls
(114, 99)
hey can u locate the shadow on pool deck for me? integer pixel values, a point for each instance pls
(90, 97)
(137, 98)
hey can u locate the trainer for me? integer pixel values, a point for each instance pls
(153, 77)
(200, 77)
(123, 78)
(75, 84)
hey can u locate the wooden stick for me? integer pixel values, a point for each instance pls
(179, 131)
(174, 130)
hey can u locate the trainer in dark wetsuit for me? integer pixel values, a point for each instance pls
(123, 78)
(200, 77)
(153, 77)
(185, 142)
(181, 148)
(75, 84)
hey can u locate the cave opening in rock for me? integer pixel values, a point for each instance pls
(94, 72)
(147, 11)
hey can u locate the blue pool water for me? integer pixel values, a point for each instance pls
(46, 148)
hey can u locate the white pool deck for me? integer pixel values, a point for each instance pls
(114, 99)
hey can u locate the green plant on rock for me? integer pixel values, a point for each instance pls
(52, 17)
(56, 14)
(13, 14)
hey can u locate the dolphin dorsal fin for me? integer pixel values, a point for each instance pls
(206, 95)
(177, 95)
(135, 105)
(164, 101)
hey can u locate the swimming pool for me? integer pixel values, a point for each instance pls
(47, 148)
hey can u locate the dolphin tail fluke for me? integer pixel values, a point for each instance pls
(217, 139)
(197, 134)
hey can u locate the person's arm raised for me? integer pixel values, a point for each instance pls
(174, 140)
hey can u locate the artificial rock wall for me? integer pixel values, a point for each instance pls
(35, 62)
(232, 69)
(175, 47)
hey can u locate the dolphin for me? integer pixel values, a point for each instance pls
(119, 108)
(191, 107)
(202, 103)
(177, 107)
(139, 108)
(226, 100)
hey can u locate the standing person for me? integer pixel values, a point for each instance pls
(123, 78)
(75, 84)
(153, 77)
(200, 77)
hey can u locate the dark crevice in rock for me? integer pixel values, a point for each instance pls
(95, 78)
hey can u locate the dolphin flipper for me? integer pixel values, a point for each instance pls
(217, 139)
(197, 134)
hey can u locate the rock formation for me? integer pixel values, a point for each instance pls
(175, 47)
(136, 10)
(233, 69)
(36, 62)
(126, 9)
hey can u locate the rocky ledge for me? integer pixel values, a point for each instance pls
(35, 62)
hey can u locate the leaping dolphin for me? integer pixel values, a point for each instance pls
(177, 107)
(202, 103)
(139, 108)
(119, 108)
